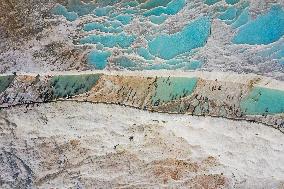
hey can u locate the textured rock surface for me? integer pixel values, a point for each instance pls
(83, 145)
(243, 37)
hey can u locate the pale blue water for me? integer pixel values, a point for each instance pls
(186, 65)
(264, 29)
(158, 19)
(263, 101)
(173, 48)
(103, 11)
(115, 24)
(229, 14)
(159, 67)
(211, 2)
(176, 64)
(242, 19)
(130, 11)
(275, 51)
(172, 8)
(173, 88)
(80, 7)
(232, 2)
(279, 54)
(154, 3)
(124, 19)
(70, 85)
(104, 3)
(101, 27)
(218, 9)
(145, 53)
(121, 40)
(98, 59)
(131, 4)
(61, 10)
(192, 36)
(195, 64)
(125, 62)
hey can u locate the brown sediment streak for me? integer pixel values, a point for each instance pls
(210, 97)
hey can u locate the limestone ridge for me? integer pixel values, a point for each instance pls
(193, 95)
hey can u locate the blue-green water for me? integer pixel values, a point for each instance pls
(5, 81)
(275, 51)
(192, 36)
(70, 85)
(124, 62)
(144, 53)
(264, 29)
(169, 89)
(61, 10)
(104, 3)
(158, 19)
(130, 11)
(193, 65)
(229, 14)
(131, 4)
(280, 53)
(263, 101)
(172, 8)
(162, 66)
(101, 27)
(173, 48)
(103, 11)
(176, 64)
(114, 24)
(211, 2)
(232, 2)
(98, 59)
(124, 19)
(75, 8)
(79, 7)
(242, 19)
(154, 3)
(121, 40)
